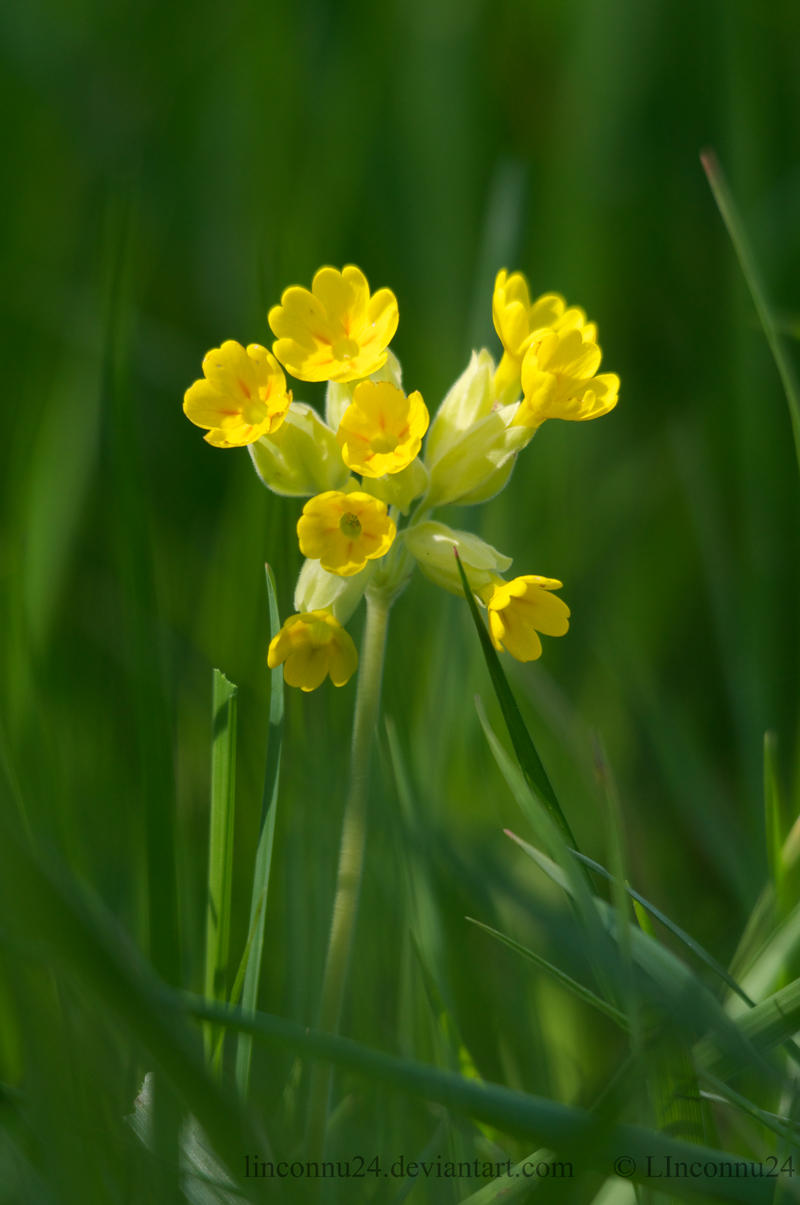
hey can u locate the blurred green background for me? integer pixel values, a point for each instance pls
(169, 170)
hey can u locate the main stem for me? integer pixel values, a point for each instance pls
(351, 856)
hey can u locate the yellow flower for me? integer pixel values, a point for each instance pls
(344, 530)
(242, 397)
(311, 645)
(520, 609)
(339, 394)
(381, 430)
(558, 378)
(517, 319)
(336, 332)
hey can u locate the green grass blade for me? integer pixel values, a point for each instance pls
(238, 982)
(674, 987)
(676, 931)
(760, 924)
(724, 1093)
(514, 1186)
(549, 833)
(149, 699)
(572, 985)
(51, 919)
(773, 815)
(779, 1014)
(643, 919)
(263, 862)
(771, 1023)
(672, 1088)
(560, 1127)
(775, 955)
(220, 840)
(618, 890)
(524, 748)
(750, 271)
(762, 921)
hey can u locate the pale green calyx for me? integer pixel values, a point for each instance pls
(432, 544)
(302, 457)
(400, 489)
(479, 463)
(318, 590)
(469, 399)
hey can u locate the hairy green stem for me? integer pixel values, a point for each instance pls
(351, 854)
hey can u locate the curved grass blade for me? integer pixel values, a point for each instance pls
(776, 899)
(517, 1185)
(752, 275)
(560, 1127)
(512, 1186)
(685, 938)
(692, 1006)
(51, 918)
(771, 1023)
(777, 952)
(572, 985)
(524, 748)
(238, 982)
(263, 862)
(575, 883)
(619, 898)
(723, 1093)
(220, 839)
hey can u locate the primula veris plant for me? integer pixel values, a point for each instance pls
(374, 470)
(365, 537)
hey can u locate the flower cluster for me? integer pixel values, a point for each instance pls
(366, 536)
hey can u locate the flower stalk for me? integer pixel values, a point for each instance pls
(351, 853)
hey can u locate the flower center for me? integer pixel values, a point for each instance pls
(254, 411)
(385, 442)
(345, 349)
(350, 526)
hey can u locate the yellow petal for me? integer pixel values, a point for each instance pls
(344, 661)
(383, 316)
(520, 639)
(343, 300)
(299, 315)
(307, 667)
(206, 406)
